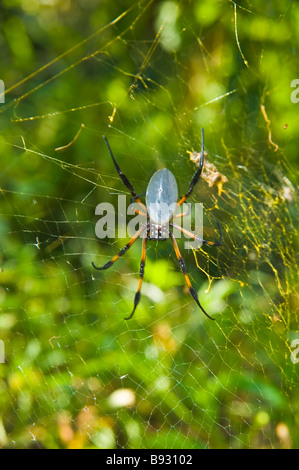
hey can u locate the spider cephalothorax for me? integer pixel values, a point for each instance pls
(161, 202)
(157, 232)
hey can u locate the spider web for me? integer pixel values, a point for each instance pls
(150, 75)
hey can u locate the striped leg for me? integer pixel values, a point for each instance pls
(124, 178)
(142, 264)
(188, 212)
(197, 174)
(138, 211)
(122, 251)
(183, 268)
(202, 240)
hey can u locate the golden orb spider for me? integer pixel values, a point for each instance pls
(161, 194)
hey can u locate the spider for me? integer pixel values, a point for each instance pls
(161, 196)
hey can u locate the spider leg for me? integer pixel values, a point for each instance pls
(123, 177)
(197, 174)
(121, 252)
(183, 268)
(142, 264)
(137, 211)
(188, 212)
(138, 195)
(202, 240)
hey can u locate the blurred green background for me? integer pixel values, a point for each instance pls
(148, 75)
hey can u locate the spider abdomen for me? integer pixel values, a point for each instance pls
(161, 196)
